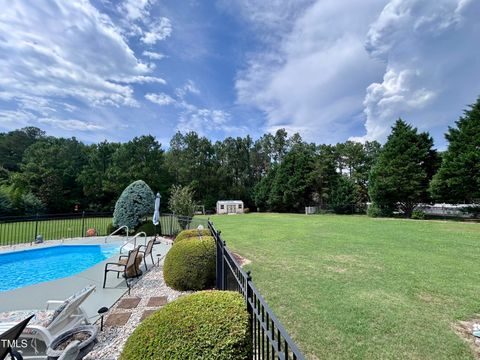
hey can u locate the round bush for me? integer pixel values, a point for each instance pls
(186, 234)
(148, 228)
(136, 202)
(190, 264)
(205, 325)
(418, 214)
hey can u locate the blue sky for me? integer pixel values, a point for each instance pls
(331, 70)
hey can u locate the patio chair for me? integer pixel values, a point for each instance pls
(125, 267)
(48, 324)
(147, 251)
(11, 335)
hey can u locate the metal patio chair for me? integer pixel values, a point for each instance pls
(148, 251)
(122, 266)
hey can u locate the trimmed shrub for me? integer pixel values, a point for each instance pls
(205, 325)
(148, 228)
(136, 202)
(185, 234)
(376, 211)
(190, 264)
(418, 215)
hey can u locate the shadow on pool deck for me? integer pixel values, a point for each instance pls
(36, 296)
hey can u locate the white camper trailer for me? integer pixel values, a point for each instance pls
(230, 207)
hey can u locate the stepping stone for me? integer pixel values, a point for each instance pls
(128, 303)
(117, 319)
(157, 301)
(146, 314)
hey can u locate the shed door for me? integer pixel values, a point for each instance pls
(231, 209)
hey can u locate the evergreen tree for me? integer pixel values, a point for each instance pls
(324, 174)
(294, 182)
(404, 168)
(343, 196)
(458, 180)
(136, 202)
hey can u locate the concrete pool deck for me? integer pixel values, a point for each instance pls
(35, 296)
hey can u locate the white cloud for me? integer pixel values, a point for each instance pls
(140, 79)
(338, 65)
(71, 124)
(271, 17)
(160, 99)
(51, 53)
(13, 119)
(61, 57)
(153, 55)
(157, 31)
(314, 80)
(136, 9)
(189, 88)
(205, 121)
(432, 69)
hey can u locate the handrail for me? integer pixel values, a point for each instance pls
(113, 233)
(134, 238)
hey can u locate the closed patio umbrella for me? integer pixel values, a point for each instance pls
(156, 213)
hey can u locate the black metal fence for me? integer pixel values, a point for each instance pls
(25, 229)
(269, 338)
(171, 224)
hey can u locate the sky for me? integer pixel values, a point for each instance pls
(330, 70)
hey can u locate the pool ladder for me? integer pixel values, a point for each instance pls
(116, 231)
(134, 240)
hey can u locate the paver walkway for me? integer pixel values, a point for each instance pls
(146, 296)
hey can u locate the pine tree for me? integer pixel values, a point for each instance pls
(458, 180)
(343, 196)
(136, 202)
(403, 171)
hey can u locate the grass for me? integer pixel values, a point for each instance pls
(353, 287)
(24, 232)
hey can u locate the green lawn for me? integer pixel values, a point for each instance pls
(352, 287)
(24, 232)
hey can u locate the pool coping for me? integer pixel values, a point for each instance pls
(35, 296)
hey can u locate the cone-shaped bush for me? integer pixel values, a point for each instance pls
(205, 325)
(190, 264)
(136, 202)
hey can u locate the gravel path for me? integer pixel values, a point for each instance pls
(112, 339)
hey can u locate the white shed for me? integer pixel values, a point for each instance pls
(229, 207)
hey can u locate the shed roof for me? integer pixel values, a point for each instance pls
(230, 201)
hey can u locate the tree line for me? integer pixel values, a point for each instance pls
(277, 172)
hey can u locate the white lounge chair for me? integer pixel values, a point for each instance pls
(48, 324)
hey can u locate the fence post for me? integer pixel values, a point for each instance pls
(219, 256)
(248, 296)
(36, 227)
(224, 274)
(83, 224)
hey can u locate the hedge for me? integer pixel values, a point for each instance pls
(205, 325)
(185, 234)
(190, 264)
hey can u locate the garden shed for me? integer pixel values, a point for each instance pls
(229, 207)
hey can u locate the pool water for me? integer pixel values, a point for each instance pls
(28, 267)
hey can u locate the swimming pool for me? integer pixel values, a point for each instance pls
(28, 267)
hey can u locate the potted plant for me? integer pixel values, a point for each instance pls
(85, 334)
